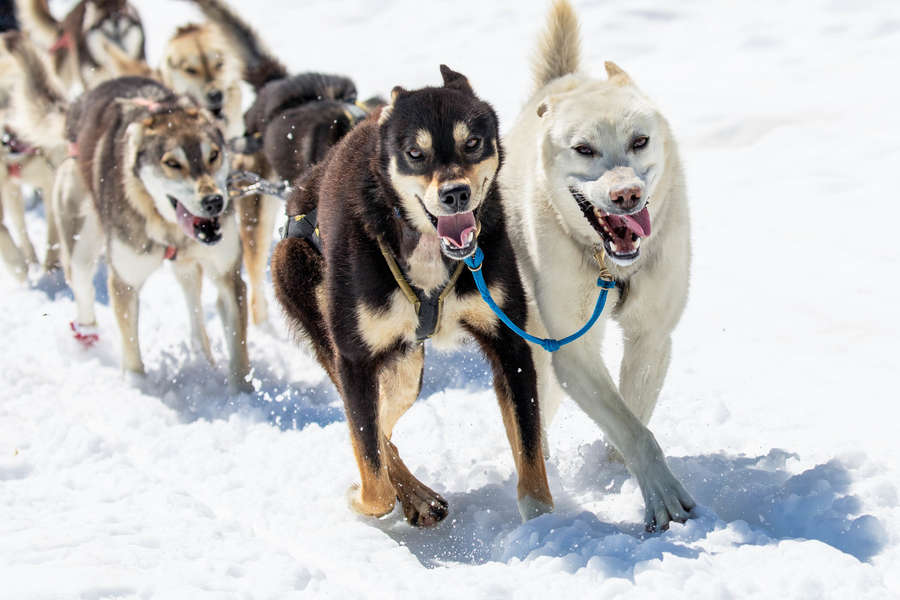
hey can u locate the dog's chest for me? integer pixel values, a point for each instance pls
(396, 320)
(425, 266)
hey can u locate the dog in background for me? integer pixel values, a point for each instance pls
(593, 176)
(22, 163)
(146, 184)
(79, 43)
(291, 125)
(399, 203)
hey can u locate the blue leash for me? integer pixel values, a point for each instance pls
(474, 263)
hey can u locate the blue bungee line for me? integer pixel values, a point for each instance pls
(474, 263)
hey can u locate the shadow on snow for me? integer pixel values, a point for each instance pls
(753, 500)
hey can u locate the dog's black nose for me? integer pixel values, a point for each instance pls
(215, 97)
(455, 196)
(213, 204)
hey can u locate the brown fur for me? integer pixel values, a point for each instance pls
(362, 328)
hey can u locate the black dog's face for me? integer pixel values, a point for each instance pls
(440, 149)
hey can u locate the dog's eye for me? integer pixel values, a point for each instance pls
(219, 66)
(191, 71)
(415, 154)
(639, 142)
(173, 164)
(473, 143)
(213, 156)
(584, 150)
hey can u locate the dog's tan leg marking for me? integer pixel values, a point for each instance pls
(232, 305)
(398, 387)
(124, 299)
(375, 496)
(190, 276)
(12, 256)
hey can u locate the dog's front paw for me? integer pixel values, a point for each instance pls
(665, 499)
(422, 506)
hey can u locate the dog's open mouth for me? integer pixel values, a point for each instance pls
(457, 233)
(202, 229)
(621, 234)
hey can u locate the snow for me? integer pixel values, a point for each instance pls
(778, 412)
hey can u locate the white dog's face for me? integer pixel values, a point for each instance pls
(603, 151)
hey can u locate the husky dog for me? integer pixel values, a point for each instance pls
(198, 61)
(22, 162)
(146, 184)
(593, 166)
(399, 202)
(80, 43)
(292, 123)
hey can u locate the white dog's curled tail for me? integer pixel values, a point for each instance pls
(559, 49)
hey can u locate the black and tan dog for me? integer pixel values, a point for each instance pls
(80, 42)
(291, 125)
(399, 202)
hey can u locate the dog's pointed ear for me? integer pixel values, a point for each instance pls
(455, 81)
(616, 74)
(396, 93)
(545, 106)
(388, 108)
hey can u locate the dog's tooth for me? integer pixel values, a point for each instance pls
(201, 235)
(637, 243)
(613, 247)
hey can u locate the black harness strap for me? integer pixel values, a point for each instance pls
(304, 227)
(427, 307)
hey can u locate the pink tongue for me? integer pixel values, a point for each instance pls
(186, 220)
(638, 223)
(455, 228)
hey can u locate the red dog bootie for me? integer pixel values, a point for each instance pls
(86, 335)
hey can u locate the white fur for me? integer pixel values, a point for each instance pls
(554, 244)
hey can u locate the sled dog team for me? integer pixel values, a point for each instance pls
(388, 203)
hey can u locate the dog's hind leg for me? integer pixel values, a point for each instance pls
(11, 254)
(297, 278)
(399, 384)
(81, 238)
(15, 204)
(85, 250)
(257, 219)
(190, 276)
(232, 305)
(51, 257)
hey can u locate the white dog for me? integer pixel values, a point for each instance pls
(593, 174)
